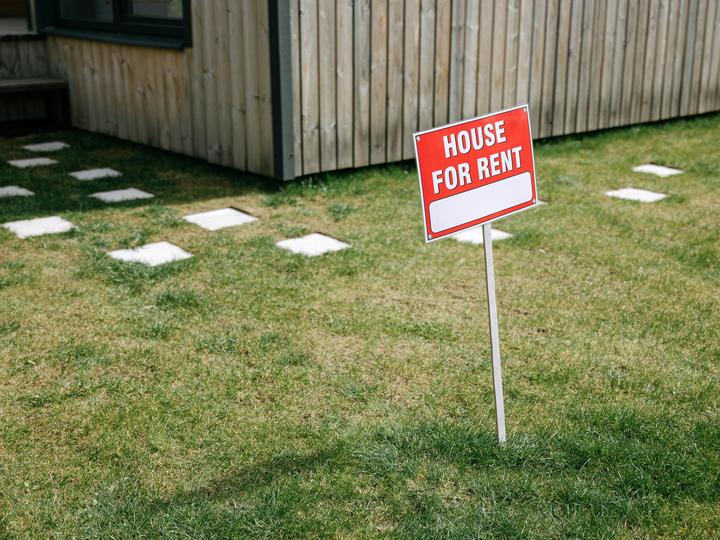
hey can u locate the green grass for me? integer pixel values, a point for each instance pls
(248, 392)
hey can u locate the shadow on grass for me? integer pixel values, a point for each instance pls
(612, 469)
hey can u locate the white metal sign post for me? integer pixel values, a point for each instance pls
(472, 173)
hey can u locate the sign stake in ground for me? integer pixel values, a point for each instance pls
(472, 173)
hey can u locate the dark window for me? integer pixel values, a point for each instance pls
(147, 18)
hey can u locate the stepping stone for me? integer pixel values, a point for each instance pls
(46, 147)
(122, 195)
(152, 254)
(657, 170)
(633, 194)
(39, 226)
(312, 245)
(94, 174)
(14, 191)
(220, 219)
(475, 236)
(33, 162)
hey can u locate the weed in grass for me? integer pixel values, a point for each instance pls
(161, 216)
(339, 211)
(82, 354)
(224, 343)
(293, 358)
(8, 327)
(150, 326)
(360, 392)
(178, 298)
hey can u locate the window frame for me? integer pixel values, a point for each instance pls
(145, 29)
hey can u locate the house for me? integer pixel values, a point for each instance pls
(288, 88)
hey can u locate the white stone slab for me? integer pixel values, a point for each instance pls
(32, 162)
(152, 254)
(475, 236)
(46, 147)
(657, 170)
(122, 195)
(220, 219)
(312, 245)
(14, 191)
(39, 226)
(634, 194)
(95, 174)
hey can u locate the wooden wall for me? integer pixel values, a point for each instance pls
(22, 56)
(369, 73)
(211, 101)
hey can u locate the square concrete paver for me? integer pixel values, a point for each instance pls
(657, 170)
(122, 195)
(152, 254)
(14, 191)
(475, 236)
(312, 245)
(46, 147)
(95, 174)
(220, 219)
(32, 162)
(634, 194)
(39, 226)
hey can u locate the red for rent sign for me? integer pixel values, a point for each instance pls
(475, 171)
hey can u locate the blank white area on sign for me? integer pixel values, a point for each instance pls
(14, 191)
(46, 147)
(152, 254)
(657, 170)
(39, 226)
(480, 202)
(634, 194)
(33, 162)
(475, 236)
(312, 245)
(95, 174)
(220, 219)
(122, 195)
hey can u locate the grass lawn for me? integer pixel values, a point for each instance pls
(250, 392)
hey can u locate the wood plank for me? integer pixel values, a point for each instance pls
(573, 71)
(607, 66)
(210, 83)
(328, 82)
(264, 90)
(512, 33)
(457, 59)
(615, 116)
(188, 104)
(629, 62)
(536, 67)
(443, 35)
(427, 64)
(252, 90)
(117, 89)
(497, 81)
(196, 61)
(650, 51)
(548, 92)
(705, 84)
(686, 89)
(483, 77)
(598, 50)
(296, 74)
(585, 75)
(378, 81)
(470, 65)
(525, 42)
(221, 61)
(411, 82)
(361, 62)
(714, 89)
(237, 81)
(670, 47)
(679, 56)
(698, 56)
(345, 82)
(641, 38)
(561, 64)
(396, 22)
(659, 59)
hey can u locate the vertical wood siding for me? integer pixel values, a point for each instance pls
(211, 101)
(22, 57)
(403, 65)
